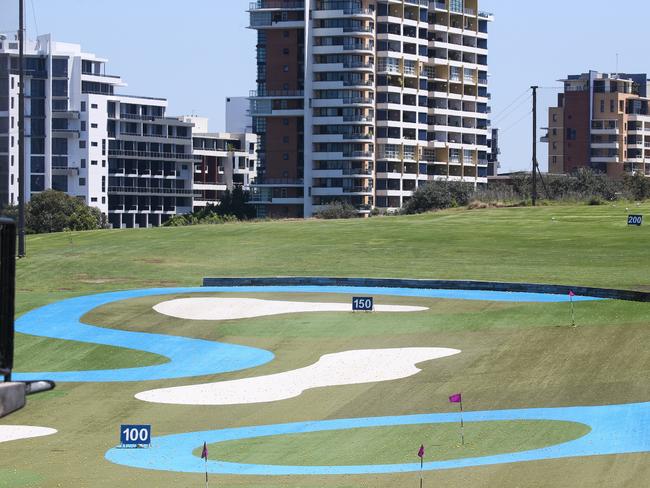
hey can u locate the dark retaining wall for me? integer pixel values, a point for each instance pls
(636, 296)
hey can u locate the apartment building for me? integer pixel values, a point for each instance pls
(119, 153)
(363, 101)
(223, 161)
(602, 122)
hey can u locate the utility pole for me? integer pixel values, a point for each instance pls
(21, 130)
(534, 196)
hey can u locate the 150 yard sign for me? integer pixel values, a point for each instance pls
(363, 304)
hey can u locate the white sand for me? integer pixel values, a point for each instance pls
(16, 432)
(211, 308)
(344, 368)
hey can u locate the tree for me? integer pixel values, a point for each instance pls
(55, 211)
(438, 195)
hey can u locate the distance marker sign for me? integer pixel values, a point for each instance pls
(135, 435)
(363, 304)
(635, 220)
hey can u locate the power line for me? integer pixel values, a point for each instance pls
(34, 14)
(501, 132)
(505, 115)
(513, 102)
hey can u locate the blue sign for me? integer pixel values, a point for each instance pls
(635, 220)
(135, 435)
(363, 304)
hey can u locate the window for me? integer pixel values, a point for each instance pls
(285, 156)
(93, 126)
(83, 106)
(285, 50)
(554, 117)
(82, 144)
(285, 68)
(285, 139)
(612, 106)
(94, 144)
(37, 182)
(82, 181)
(93, 199)
(93, 163)
(83, 126)
(285, 121)
(285, 33)
(602, 106)
(103, 199)
(103, 163)
(94, 105)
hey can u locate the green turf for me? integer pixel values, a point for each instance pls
(12, 478)
(513, 355)
(396, 445)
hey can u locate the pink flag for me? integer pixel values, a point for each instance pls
(421, 451)
(204, 453)
(571, 294)
(457, 398)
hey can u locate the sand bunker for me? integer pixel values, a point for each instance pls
(344, 368)
(210, 308)
(16, 432)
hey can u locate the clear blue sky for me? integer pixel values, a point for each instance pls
(197, 52)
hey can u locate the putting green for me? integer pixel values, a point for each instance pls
(399, 444)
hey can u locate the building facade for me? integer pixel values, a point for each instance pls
(362, 101)
(602, 122)
(223, 161)
(118, 153)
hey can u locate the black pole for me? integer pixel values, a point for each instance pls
(21, 130)
(534, 196)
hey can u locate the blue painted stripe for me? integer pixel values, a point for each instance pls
(616, 429)
(194, 357)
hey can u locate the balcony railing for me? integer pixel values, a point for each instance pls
(152, 191)
(152, 155)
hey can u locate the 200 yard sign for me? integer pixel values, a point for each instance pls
(135, 435)
(363, 304)
(635, 220)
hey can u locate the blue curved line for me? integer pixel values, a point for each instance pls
(187, 357)
(194, 357)
(616, 429)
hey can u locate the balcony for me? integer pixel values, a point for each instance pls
(135, 190)
(276, 5)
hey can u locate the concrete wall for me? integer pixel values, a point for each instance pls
(629, 295)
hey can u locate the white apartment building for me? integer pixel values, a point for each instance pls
(118, 153)
(223, 161)
(363, 101)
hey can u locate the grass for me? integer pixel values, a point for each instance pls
(514, 355)
(396, 445)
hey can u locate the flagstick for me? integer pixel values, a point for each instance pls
(462, 425)
(573, 316)
(421, 466)
(206, 472)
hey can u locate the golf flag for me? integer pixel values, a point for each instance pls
(421, 452)
(204, 453)
(457, 398)
(571, 294)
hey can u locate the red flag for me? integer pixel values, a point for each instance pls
(204, 453)
(571, 294)
(457, 398)
(421, 452)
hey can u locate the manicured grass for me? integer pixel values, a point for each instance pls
(396, 445)
(580, 245)
(513, 355)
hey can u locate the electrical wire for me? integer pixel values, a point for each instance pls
(34, 15)
(502, 113)
(514, 110)
(501, 132)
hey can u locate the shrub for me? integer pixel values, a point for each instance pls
(55, 211)
(338, 210)
(438, 195)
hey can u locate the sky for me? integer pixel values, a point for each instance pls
(195, 53)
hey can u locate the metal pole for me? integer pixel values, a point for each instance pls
(21, 130)
(534, 195)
